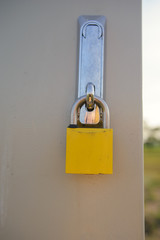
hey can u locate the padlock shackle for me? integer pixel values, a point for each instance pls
(99, 101)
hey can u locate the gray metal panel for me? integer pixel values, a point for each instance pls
(38, 44)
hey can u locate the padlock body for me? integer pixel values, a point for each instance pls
(89, 151)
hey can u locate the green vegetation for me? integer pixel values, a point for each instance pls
(152, 191)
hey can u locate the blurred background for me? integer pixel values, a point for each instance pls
(151, 115)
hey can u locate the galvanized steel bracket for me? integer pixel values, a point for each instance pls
(91, 55)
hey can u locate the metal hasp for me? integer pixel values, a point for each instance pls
(91, 57)
(91, 53)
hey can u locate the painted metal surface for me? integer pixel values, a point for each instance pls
(38, 45)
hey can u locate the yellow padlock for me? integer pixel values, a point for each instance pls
(89, 150)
